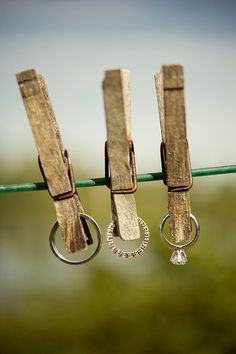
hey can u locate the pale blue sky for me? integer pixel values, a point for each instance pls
(73, 42)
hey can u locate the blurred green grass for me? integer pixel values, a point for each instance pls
(111, 305)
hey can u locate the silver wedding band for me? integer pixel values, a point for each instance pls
(55, 250)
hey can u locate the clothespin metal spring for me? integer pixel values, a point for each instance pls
(69, 194)
(184, 188)
(133, 171)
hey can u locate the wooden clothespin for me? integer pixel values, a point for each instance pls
(120, 163)
(174, 149)
(54, 161)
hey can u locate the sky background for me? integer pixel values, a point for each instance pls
(73, 42)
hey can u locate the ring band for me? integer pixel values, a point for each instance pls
(127, 254)
(66, 260)
(187, 245)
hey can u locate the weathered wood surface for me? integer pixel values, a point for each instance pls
(170, 96)
(54, 163)
(116, 88)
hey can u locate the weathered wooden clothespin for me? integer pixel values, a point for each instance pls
(174, 150)
(54, 161)
(120, 163)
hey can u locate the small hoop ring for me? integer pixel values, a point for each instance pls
(66, 260)
(127, 254)
(187, 245)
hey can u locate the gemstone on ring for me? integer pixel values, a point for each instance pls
(179, 257)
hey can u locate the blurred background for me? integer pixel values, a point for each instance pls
(112, 305)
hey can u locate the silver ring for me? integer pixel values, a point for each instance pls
(187, 245)
(127, 254)
(68, 261)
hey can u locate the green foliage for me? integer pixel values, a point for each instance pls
(112, 305)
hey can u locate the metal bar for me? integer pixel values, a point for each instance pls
(101, 181)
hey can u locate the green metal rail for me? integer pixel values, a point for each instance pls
(95, 182)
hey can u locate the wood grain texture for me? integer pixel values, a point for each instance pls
(52, 158)
(170, 96)
(116, 87)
